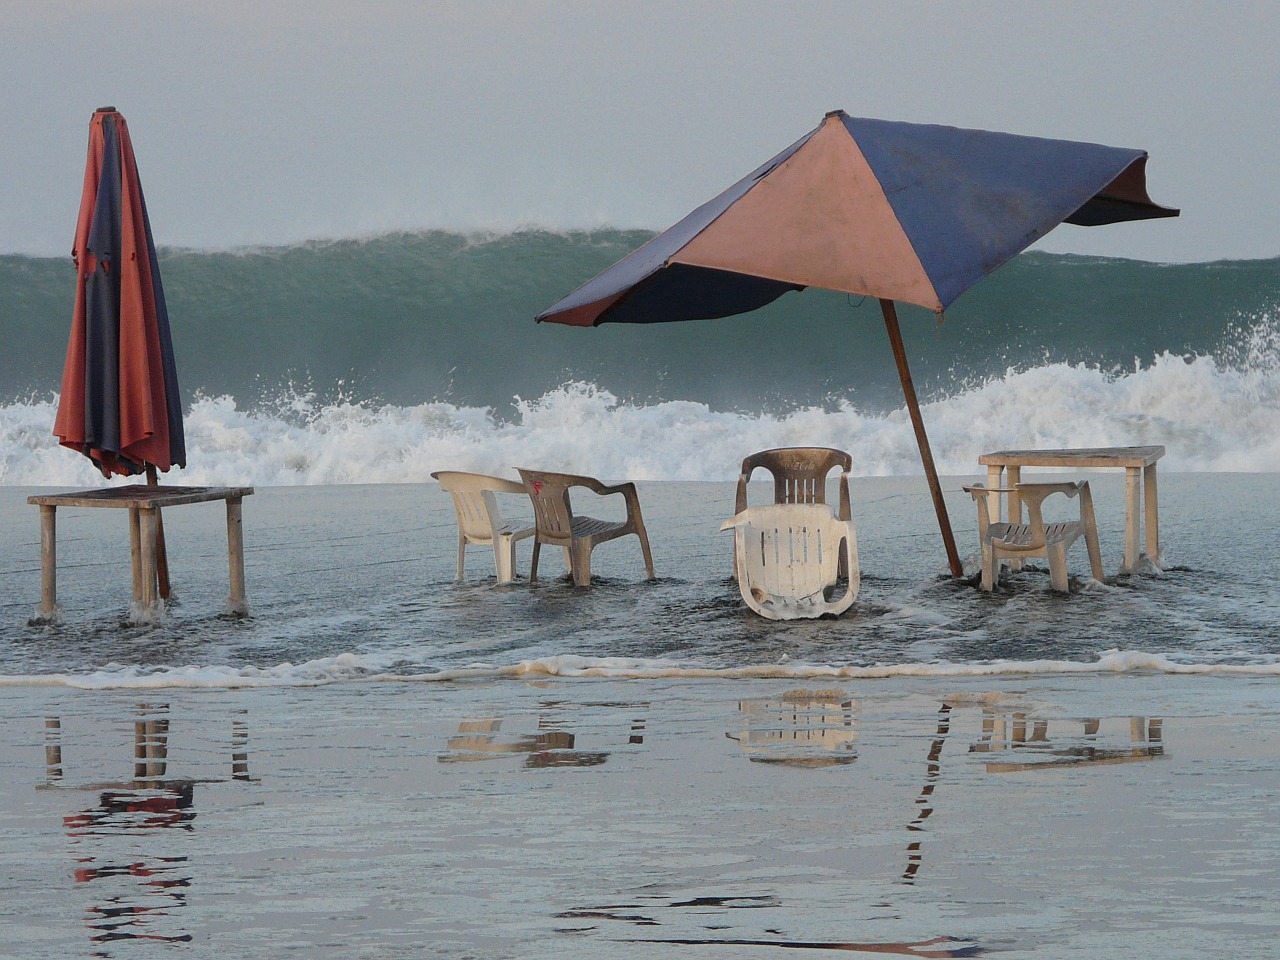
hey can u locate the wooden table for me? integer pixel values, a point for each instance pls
(1139, 464)
(143, 503)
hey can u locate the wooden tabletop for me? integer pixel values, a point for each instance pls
(1082, 457)
(140, 495)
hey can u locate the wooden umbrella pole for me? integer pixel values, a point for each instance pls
(926, 455)
(162, 558)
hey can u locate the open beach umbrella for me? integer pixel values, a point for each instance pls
(897, 211)
(119, 404)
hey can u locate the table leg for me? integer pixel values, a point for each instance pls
(1015, 508)
(147, 532)
(1153, 515)
(994, 475)
(135, 554)
(1132, 508)
(237, 605)
(48, 611)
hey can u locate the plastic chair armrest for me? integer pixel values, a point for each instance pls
(500, 485)
(1037, 492)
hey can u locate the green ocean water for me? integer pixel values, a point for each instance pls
(411, 318)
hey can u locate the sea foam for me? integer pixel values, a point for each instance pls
(1217, 412)
(350, 667)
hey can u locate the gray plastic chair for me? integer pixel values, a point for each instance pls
(557, 524)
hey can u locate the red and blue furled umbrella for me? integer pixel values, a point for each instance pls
(897, 211)
(119, 404)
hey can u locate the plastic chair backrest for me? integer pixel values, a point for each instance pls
(799, 475)
(552, 513)
(474, 500)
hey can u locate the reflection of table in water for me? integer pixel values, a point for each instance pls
(1016, 732)
(143, 503)
(1138, 463)
(127, 846)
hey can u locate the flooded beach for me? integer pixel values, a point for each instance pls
(1095, 816)
(382, 761)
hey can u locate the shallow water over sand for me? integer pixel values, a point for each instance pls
(1048, 816)
(639, 769)
(352, 582)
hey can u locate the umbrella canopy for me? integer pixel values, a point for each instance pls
(897, 211)
(901, 211)
(120, 404)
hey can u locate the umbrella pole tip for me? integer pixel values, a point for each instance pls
(106, 110)
(833, 113)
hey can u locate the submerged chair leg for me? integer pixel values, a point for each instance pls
(533, 564)
(581, 563)
(1095, 555)
(644, 547)
(504, 557)
(1091, 534)
(1058, 568)
(462, 553)
(990, 568)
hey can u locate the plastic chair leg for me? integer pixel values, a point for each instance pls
(462, 553)
(644, 547)
(581, 559)
(533, 564)
(504, 558)
(1095, 555)
(989, 569)
(1058, 568)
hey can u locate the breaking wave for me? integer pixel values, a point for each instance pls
(1214, 412)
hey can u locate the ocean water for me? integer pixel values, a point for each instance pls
(383, 359)
(383, 761)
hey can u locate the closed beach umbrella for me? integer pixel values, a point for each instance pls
(119, 404)
(897, 211)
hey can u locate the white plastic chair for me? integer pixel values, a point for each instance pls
(480, 520)
(788, 557)
(1017, 541)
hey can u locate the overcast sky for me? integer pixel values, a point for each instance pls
(275, 121)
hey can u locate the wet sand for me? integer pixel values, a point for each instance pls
(1093, 816)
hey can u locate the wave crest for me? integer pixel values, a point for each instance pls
(1213, 413)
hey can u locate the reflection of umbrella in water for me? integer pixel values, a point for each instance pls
(120, 404)
(896, 211)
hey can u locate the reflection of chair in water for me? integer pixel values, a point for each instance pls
(802, 728)
(550, 746)
(478, 740)
(1003, 732)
